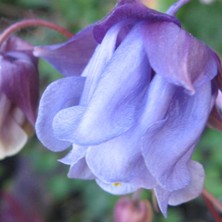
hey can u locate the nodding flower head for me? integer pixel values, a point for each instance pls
(18, 94)
(137, 94)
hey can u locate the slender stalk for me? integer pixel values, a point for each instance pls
(216, 203)
(31, 23)
(176, 6)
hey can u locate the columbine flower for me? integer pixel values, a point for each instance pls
(18, 94)
(135, 114)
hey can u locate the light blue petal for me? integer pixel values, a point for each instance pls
(178, 56)
(156, 103)
(119, 160)
(97, 64)
(80, 170)
(117, 100)
(58, 95)
(168, 144)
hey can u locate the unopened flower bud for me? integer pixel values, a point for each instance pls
(129, 210)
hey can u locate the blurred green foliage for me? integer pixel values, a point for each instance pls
(75, 200)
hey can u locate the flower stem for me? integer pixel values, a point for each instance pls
(30, 23)
(176, 6)
(214, 206)
(217, 204)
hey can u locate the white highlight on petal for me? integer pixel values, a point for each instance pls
(12, 136)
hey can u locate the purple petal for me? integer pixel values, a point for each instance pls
(168, 143)
(71, 57)
(110, 113)
(119, 161)
(52, 102)
(129, 11)
(178, 56)
(19, 77)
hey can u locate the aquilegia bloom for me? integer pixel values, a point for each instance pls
(136, 96)
(18, 94)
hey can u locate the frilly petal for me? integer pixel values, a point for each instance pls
(51, 102)
(78, 166)
(117, 189)
(191, 191)
(121, 161)
(172, 139)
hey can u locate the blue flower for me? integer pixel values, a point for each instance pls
(137, 94)
(18, 95)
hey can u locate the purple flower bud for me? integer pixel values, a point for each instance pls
(128, 210)
(19, 88)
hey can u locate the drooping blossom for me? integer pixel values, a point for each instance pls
(18, 94)
(137, 94)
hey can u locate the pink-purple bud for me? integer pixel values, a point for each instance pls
(129, 210)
